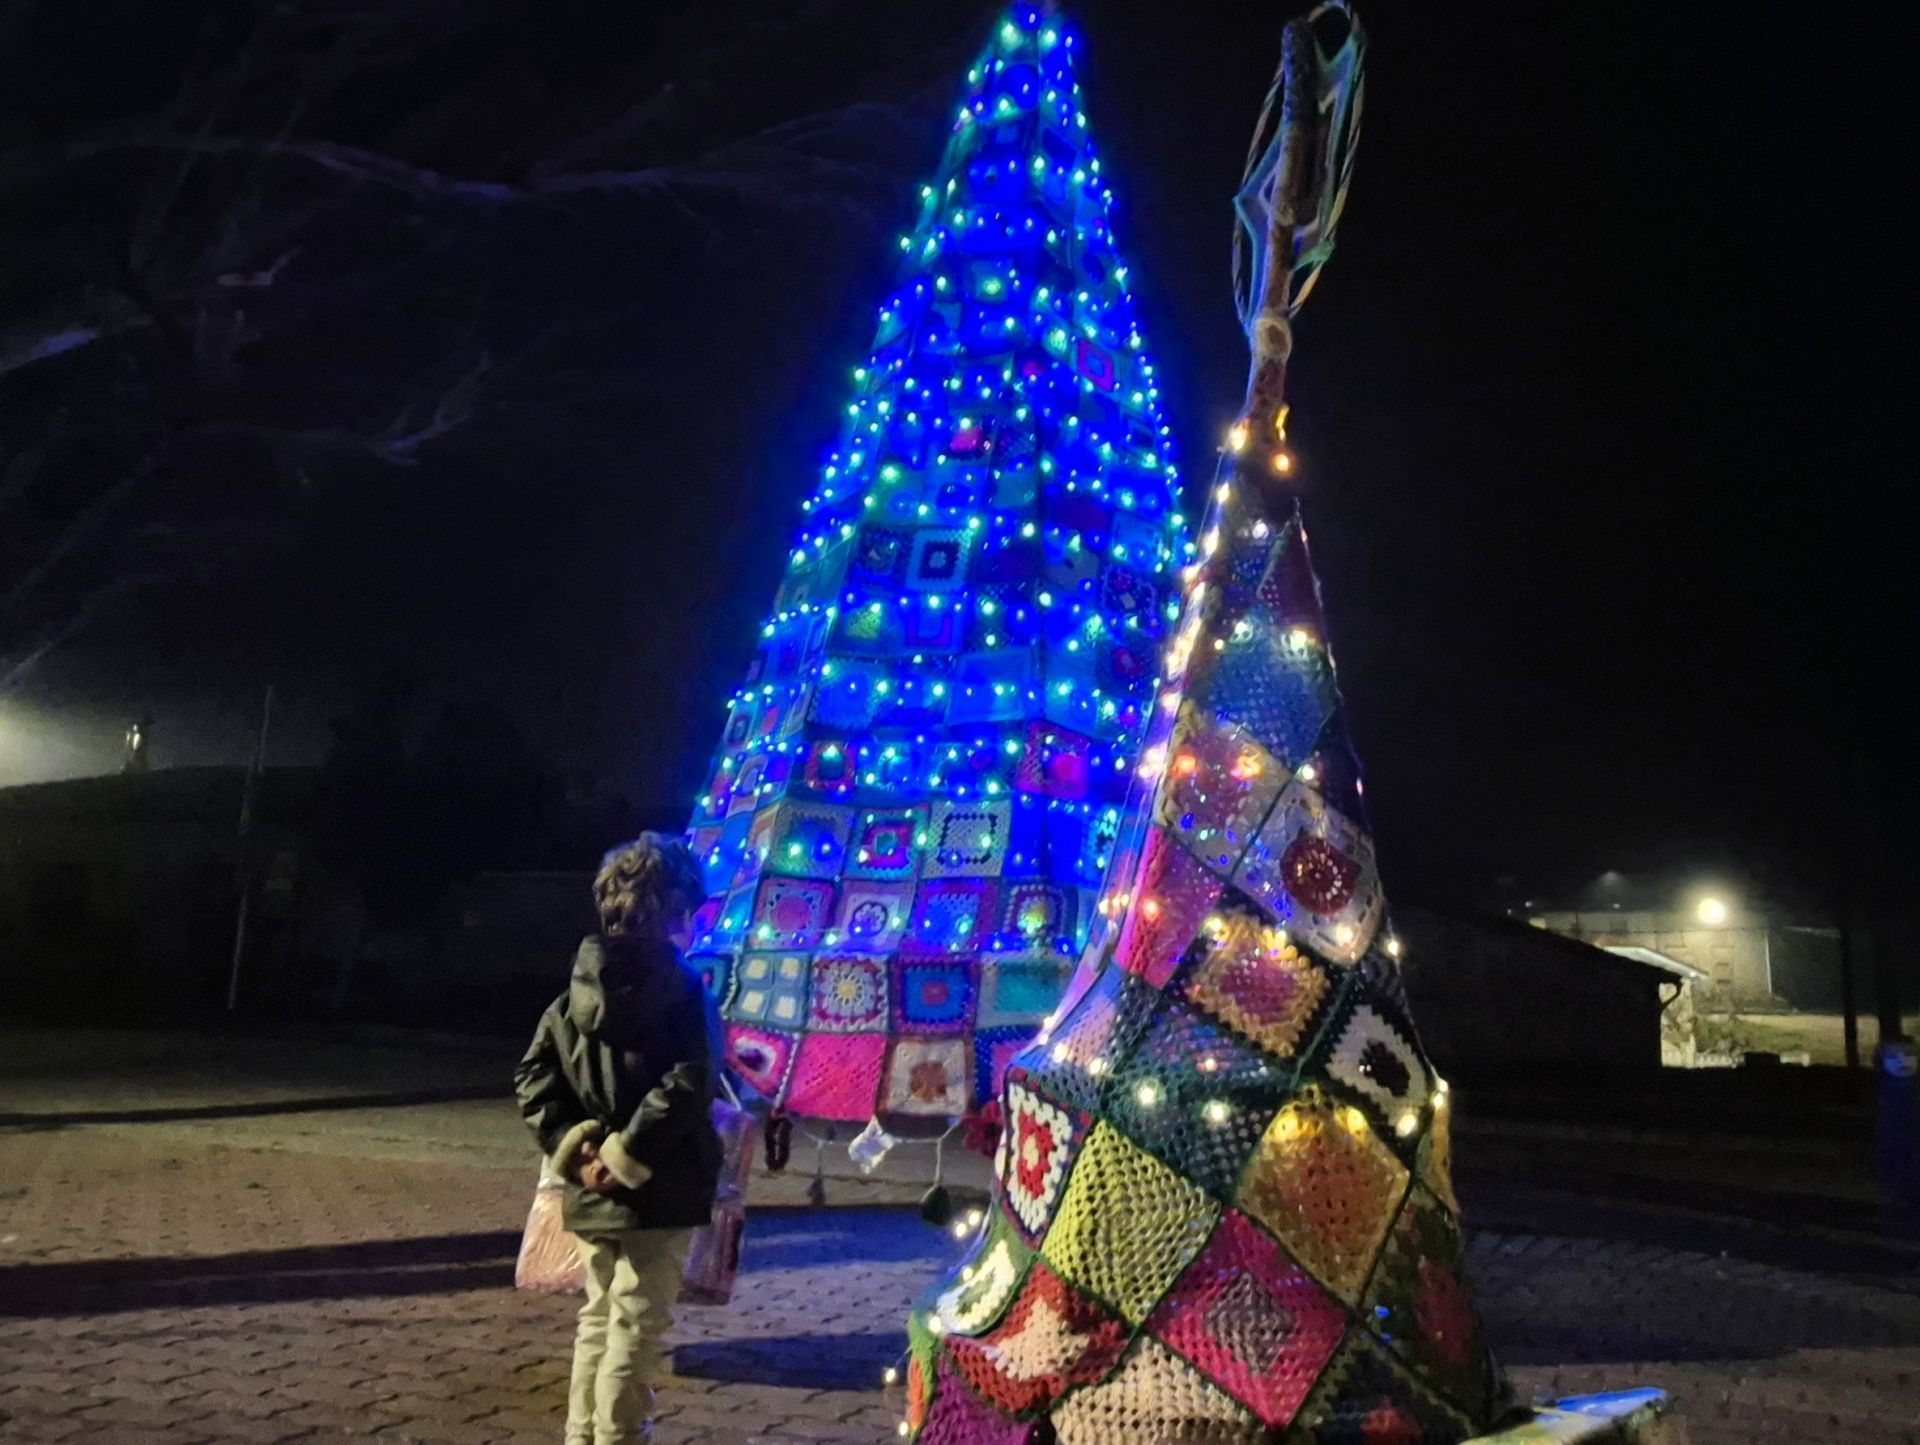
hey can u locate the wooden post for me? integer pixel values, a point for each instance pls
(245, 830)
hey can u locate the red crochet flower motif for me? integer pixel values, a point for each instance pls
(1318, 874)
(1033, 1150)
(928, 1081)
(1039, 1136)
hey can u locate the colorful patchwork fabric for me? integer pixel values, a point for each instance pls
(926, 1077)
(1037, 1147)
(1051, 1339)
(931, 747)
(1225, 1148)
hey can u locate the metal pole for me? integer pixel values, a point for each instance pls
(254, 768)
(1849, 995)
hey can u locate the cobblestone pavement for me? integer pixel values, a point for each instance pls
(161, 1282)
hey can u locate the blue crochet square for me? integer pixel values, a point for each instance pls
(933, 995)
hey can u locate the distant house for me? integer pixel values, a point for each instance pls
(117, 893)
(1495, 998)
(1753, 958)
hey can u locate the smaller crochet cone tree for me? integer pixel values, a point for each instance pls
(1223, 1209)
(917, 789)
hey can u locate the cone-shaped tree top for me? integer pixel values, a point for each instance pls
(1222, 1207)
(916, 792)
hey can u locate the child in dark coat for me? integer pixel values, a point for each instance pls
(618, 1087)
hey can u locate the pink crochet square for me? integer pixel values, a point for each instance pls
(956, 1416)
(1171, 894)
(1251, 1320)
(837, 1076)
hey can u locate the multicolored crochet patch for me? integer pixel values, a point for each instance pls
(849, 994)
(1220, 785)
(1251, 1320)
(1127, 1225)
(933, 995)
(1038, 1142)
(1174, 893)
(834, 1073)
(1051, 1339)
(930, 1077)
(1251, 977)
(771, 988)
(1326, 1187)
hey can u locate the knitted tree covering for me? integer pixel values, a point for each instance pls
(1222, 1208)
(917, 790)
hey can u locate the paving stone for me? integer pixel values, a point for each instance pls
(350, 1297)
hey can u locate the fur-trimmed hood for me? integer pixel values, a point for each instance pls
(614, 976)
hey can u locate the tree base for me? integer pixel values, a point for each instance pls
(1623, 1416)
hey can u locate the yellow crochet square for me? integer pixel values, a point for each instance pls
(1253, 978)
(1127, 1226)
(1327, 1187)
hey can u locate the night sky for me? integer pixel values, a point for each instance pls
(1586, 406)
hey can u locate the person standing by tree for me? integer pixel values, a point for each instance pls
(618, 1087)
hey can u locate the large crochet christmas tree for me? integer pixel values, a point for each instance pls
(917, 790)
(1223, 1209)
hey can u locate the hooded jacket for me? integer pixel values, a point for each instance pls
(628, 1058)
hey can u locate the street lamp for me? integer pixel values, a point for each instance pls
(1711, 911)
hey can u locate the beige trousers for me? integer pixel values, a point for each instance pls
(632, 1282)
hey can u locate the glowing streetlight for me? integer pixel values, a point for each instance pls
(1711, 911)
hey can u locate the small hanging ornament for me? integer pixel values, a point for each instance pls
(871, 1145)
(817, 1186)
(779, 1141)
(936, 1206)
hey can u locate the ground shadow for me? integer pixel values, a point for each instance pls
(799, 1236)
(818, 1362)
(329, 1104)
(778, 1239)
(387, 1268)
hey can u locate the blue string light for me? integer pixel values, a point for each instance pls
(977, 599)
